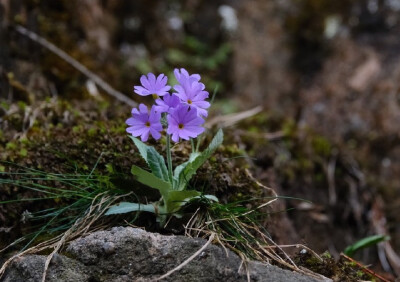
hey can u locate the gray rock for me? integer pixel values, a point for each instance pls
(30, 269)
(129, 254)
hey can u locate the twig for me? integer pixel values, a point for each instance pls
(270, 136)
(379, 225)
(188, 260)
(229, 120)
(50, 46)
(364, 268)
(330, 171)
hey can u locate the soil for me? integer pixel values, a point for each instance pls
(327, 137)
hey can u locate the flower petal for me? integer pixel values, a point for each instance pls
(152, 80)
(141, 91)
(175, 137)
(156, 135)
(144, 81)
(145, 136)
(143, 109)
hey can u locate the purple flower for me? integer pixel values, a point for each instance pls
(192, 93)
(182, 76)
(183, 122)
(152, 85)
(142, 123)
(167, 103)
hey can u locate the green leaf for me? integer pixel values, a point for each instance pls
(216, 142)
(180, 167)
(366, 242)
(154, 160)
(125, 207)
(141, 147)
(208, 197)
(152, 181)
(177, 199)
(211, 198)
(193, 156)
(185, 174)
(157, 164)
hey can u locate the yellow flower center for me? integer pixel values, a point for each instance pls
(155, 96)
(180, 126)
(189, 102)
(147, 124)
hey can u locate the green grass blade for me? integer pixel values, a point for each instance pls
(364, 243)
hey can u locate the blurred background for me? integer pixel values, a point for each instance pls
(325, 72)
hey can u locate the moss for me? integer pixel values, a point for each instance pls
(11, 146)
(326, 267)
(24, 141)
(326, 255)
(110, 168)
(92, 132)
(23, 152)
(341, 270)
(321, 146)
(76, 129)
(289, 127)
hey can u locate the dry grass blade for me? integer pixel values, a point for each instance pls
(239, 231)
(12, 244)
(82, 226)
(210, 239)
(297, 246)
(38, 248)
(65, 236)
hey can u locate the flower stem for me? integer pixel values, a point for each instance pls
(199, 138)
(169, 158)
(193, 146)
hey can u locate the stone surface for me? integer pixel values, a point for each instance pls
(129, 254)
(30, 269)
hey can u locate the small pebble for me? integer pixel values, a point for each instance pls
(109, 248)
(56, 259)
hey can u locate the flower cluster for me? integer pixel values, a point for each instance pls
(184, 109)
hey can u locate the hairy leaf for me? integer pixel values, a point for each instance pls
(185, 174)
(141, 147)
(157, 164)
(154, 160)
(149, 179)
(125, 207)
(177, 199)
(182, 166)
